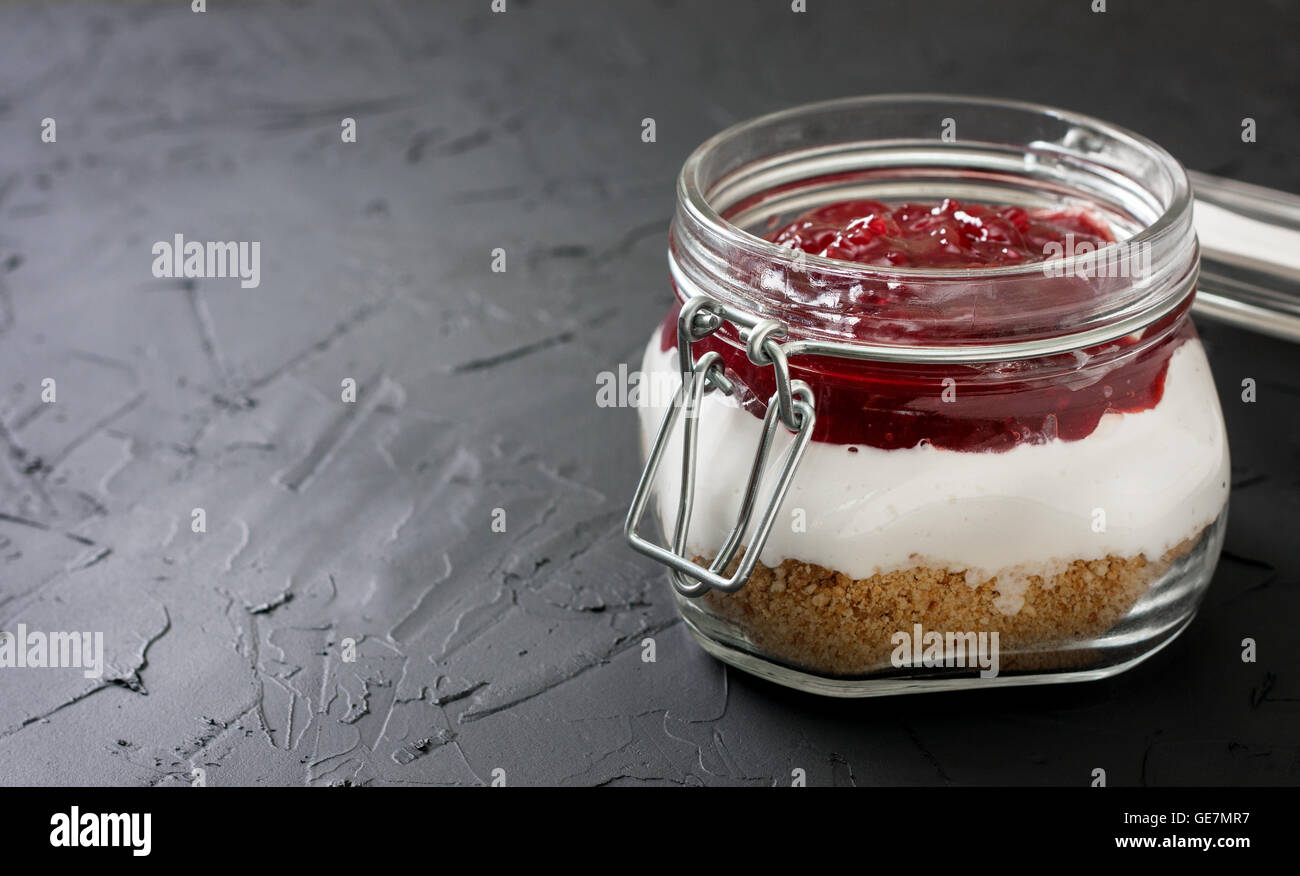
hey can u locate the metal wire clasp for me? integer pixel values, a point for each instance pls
(792, 404)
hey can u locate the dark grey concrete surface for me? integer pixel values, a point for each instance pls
(517, 651)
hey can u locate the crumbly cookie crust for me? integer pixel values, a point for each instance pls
(827, 622)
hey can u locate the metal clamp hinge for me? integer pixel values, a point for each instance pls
(791, 404)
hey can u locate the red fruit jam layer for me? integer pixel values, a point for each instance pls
(989, 407)
(945, 235)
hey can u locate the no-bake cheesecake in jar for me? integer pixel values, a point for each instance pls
(1005, 455)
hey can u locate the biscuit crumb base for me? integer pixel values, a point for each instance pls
(825, 621)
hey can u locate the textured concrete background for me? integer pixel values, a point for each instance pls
(517, 651)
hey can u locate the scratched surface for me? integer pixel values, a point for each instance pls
(327, 521)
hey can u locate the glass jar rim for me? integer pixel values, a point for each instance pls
(691, 194)
(1058, 153)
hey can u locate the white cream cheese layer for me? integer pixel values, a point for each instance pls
(1140, 483)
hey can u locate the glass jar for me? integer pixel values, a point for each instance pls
(913, 478)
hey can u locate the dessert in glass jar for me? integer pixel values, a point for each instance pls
(946, 420)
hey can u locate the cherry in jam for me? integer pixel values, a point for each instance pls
(973, 407)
